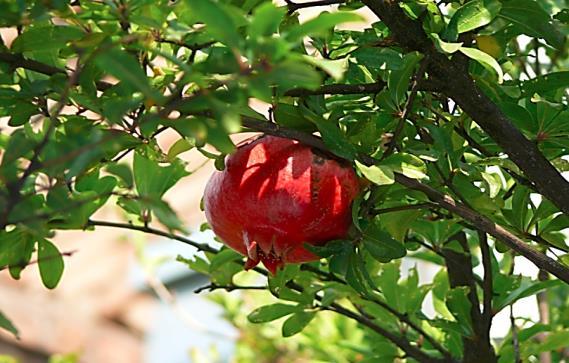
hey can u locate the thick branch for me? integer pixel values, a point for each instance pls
(487, 284)
(459, 86)
(477, 348)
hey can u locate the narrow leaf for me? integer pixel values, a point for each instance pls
(377, 174)
(296, 323)
(124, 67)
(50, 263)
(472, 15)
(6, 324)
(219, 23)
(272, 312)
(485, 59)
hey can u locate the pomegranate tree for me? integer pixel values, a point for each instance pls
(274, 196)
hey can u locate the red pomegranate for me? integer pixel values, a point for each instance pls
(276, 194)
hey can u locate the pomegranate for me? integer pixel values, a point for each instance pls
(274, 196)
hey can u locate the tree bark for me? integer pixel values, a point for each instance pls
(477, 348)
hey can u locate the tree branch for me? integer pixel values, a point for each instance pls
(19, 61)
(543, 308)
(515, 341)
(408, 107)
(339, 89)
(353, 89)
(228, 288)
(458, 85)
(477, 348)
(403, 207)
(487, 284)
(292, 6)
(33, 262)
(199, 246)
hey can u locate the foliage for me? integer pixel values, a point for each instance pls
(456, 113)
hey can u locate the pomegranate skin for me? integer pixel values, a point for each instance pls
(276, 194)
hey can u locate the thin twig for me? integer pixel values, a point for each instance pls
(338, 89)
(417, 79)
(403, 208)
(292, 6)
(543, 308)
(170, 299)
(228, 288)
(515, 341)
(39, 260)
(200, 246)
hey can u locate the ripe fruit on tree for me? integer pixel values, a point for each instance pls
(274, 196)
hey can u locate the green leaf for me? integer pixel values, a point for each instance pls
(355, 276)
(553, 341)
(472, 15)
(546, 83)
(558, 223)
(485, 59)
(266, 20)
(333, 137)
(388, 283)
(526, 288)
(459, 305)
(321, 24)
(291, 116)
(16, 248)
(180, 146)
(284, 275)
(445, 47)
(45, 38)
(219, 22)
(334, 68)
(377, 174)
(533, 20)
(223, 257)
(124, 67)
(296, 323)
(406, 164)
(398, 81)
(20, 112)
(6, 324)
(50, 263)
(494, 183)
(331, 248)
(123, 172)
(380, 244)
(272, 312)
(151, 179)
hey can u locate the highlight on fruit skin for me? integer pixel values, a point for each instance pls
(274, 196)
